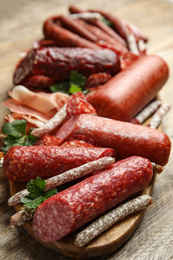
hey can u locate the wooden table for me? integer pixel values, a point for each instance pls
(21, 23)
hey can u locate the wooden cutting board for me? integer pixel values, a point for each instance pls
(107, 242)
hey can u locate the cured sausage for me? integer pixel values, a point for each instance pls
(53, 30)
(126, 138)
(56, 63)
(107, 29)
(72, 208)
(22, 163)
(70, 175)
(123, 96)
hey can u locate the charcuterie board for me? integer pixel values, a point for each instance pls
(107, 242)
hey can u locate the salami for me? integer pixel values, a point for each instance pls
(56, 63)
(77, 104)
(22, 163)
(72, 208)
(49, 140)
(126, 138)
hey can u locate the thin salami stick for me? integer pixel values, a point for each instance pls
(54, 122)
(21, 217)
(132, 43)
(107, 220)
(148, 111)
(67, 176)
(158, 116)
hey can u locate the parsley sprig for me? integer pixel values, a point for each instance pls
(76, 83)
(36, 193)
(16, 135)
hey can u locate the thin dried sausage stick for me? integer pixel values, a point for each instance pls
(67, 176)
(74, 26)
(63, 37)
(122, 27)
(53, 123)
(103, 36)
(88, 15)
(148, 111)
(109, 219)
(21, 217)
(71, 208)
(158, 116)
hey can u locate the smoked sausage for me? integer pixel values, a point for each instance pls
(56, 63)
(73, 207)
(126, 138)
(123, 96)
(22, 163)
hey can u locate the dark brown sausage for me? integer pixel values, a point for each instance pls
(22, 163)
(126, 138)
(72, 208)
(56, 63)
(129, 91)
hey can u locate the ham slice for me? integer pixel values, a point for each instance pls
(35, 107)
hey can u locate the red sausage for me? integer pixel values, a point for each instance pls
(37, 82)
(22, 163)
(126, 138)
(72, 208)
(56, 63)
(103, 36)
(63, 37)
(74, 26)
(129, 91)
(105, 28)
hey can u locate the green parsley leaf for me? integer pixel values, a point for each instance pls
(74, 88)
(16, 135)
(76, 83)
(62, 86)
(77, 79)
(106, 21)
(36, 193)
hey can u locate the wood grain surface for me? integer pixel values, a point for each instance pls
(21, 24)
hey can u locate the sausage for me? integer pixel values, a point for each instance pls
(72, 208)
(77, 104)
(48, 140)
(74, 26)
(52, 30)
(105, 28)
(103, 36)
(22, 163)
(96, 80)
(126, 138)
(56, 63)
(112, 217)
(123, 96)
(122, 27)
(37, 82)
(68, 176)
